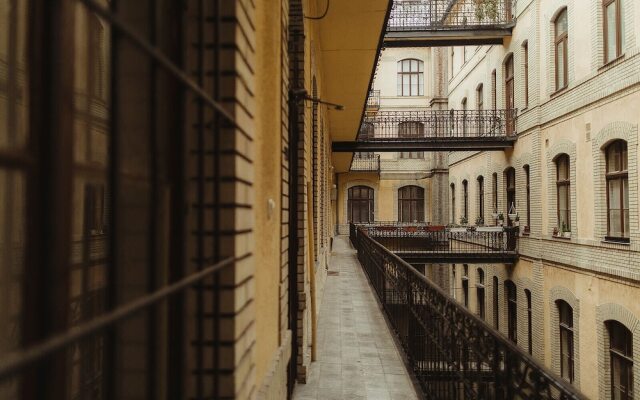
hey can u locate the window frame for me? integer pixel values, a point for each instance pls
(465, 285)
(480, 294)
(496, 303)
(561, 39)
(481, 199)
(419, 76)
(413, 202)
(510, 190)
(480, 97)
(564, 182)
(625, 358)
(370, 200)
(621, 175)
(453, 203)
(527, 294)
(618, 25)
(465, 199)
(566, 327)
(512, 310)
(527, 174)
(525, 50)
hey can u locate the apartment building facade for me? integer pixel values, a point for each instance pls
(570, 182)
(390, 186)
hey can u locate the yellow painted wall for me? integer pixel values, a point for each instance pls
(267, 185)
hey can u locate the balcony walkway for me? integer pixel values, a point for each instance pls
(357, 356)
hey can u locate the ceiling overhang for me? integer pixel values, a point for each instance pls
(351, 35)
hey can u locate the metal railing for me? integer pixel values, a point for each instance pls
(438, 125)
(406, 239)
(438, 15)
(453, 353)
(365, 162)
(373, 101)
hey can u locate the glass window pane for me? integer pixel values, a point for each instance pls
(560, 65)
(623, 40)
(612, 40)
(561, 23)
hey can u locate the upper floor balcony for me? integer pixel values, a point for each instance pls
(365, 162)
(373, 101)
(414, 23)
(423, 243)
(434, 130)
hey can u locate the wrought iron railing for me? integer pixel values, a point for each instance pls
(438, 125)
(373, 101)
(365, 162)
(433, 15)
(453, 353)
(442, 240)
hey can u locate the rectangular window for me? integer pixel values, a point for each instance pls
(525, 50)
(613, 18)
(528, 193)
(465, 285)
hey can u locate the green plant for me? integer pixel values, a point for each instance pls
(463, 221)
(479, 221)
(487, 9)
(501, 217)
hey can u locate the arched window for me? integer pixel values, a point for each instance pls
(561, 35)
(480, 97)
(512, 310)
(360, 204)
(527, 294)
(527, 176)
(510, 188)
(464, 106)
(411, 130)
(453, 203)
(563, 189)
(411, 204)
(410, 77)
(620, 360)
(509, 91)
(565, 317)
(494, 90)
(465, 201)
(480, 294)
(496, 304)
(465, 285)
(614, 41)
(525, 54)
(495, 194)
(617, 176)
(481, 199)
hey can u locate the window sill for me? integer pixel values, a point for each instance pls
(612, 63)
(616, 240)
(559, 92)
(561, 237)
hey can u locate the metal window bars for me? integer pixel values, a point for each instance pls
(453, 353)
(153, 309)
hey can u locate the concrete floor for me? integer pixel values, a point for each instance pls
(357, 356)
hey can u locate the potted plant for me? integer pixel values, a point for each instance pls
(516, 220)
(566, 231)
(463, 221)
(555, 231)
(479, 221)
(501, 218)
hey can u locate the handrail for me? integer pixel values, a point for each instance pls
(437, 15)
(17, 361)
(450, 349)
(438, 124)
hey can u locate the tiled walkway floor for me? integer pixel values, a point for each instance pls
(357, 357)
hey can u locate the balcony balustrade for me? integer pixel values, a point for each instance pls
(453, 353)
(365, 162)
(449, 22)
(439, 244)
(434, 130)
(373, 101)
